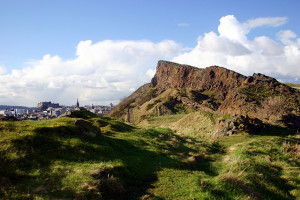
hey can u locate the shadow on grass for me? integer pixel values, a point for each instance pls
(270, 186)
(259, 173)
(272, 177)
(121, 127)
(274, 130)
(114, 125)
(66, 146)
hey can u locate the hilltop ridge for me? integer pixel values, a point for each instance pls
(214, 89)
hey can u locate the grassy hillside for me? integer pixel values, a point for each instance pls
(154, 108)
(195, 124)
(54, 159)
(149, 102)
(296, 86)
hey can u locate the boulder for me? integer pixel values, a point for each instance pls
(237, 123)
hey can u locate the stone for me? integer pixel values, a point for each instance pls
(237, 123)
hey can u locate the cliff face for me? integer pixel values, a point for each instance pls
(172, 75)
(179, 88)
(256, 96)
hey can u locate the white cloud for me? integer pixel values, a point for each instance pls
(267, 46)
(107, 71)
(232, 48)
(2, 70)
(101, 72)
(264, 21)
(150, 73)
(286, 36)
(183, 25)
(232, 29)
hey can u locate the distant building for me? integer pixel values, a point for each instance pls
(19, 111)
(42, 106)
(6, 113)
(77, 104)
(63, 110)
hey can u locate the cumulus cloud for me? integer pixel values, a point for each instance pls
(107, 71)
(101, 72)
(232, 29)
(286, 36)
(232, 48)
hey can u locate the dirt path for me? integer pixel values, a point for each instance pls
(229, 151)
(232, 148)
(130, 115)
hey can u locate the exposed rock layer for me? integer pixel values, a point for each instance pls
(257, 96)
(172, 75)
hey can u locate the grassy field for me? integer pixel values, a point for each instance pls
(53, 159)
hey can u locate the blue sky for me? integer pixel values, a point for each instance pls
(33, 33)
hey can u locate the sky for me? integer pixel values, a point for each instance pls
(102, 51)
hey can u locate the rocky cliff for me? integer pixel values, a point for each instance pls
(220, 91)
(172, 75)
(257, 96)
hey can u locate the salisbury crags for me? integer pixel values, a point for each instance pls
(258, 96)
(172, 75)
(217, 90)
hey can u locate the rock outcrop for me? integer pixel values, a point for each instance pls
(237, 123)
(172, 75)
(214, 90)
(256, 96)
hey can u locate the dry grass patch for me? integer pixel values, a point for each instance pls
(194, 124)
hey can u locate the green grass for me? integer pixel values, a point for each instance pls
(164, 120)
(263, 167)
(194, 124)
(258, 93)
(52, 159)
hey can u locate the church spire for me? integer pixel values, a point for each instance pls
(77, 104)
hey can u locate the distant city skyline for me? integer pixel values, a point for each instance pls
(48, 110)
(102, 51)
